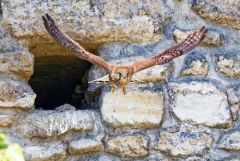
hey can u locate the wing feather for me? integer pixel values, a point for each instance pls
(70, 44)
(175, 51)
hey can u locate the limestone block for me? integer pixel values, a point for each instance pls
(212, 38)
(219, 12)
(49, 123)
(200, 103)
(230, 141)
(229, 66)
(15, 93)
(234, 99)
(127, 146)
(53, 152)
(117, 21)
(5, 120)
(188, 141)
(195, 64)
(15, 59)
(136, 109)
(85, 146)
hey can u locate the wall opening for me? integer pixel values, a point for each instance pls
(58, 80)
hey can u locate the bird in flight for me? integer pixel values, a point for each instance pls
(120, 76)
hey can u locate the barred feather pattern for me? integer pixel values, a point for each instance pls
(62, 38)
(182, 47)
(70, 44)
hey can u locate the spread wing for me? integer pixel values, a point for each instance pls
(70, 44)
(176, 50)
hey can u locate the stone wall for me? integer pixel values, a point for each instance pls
(187, 109)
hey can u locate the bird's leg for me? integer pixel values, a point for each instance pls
(124, 88)
(112, 87)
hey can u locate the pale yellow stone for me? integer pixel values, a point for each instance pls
(212, 38)
(196, 68)
(186, 142)
(136, 109)
(201, 103)
(127, 146)
(85, 146)
(15, 93)
(52, 152)
(229, 67)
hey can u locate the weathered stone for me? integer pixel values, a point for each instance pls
(230, 141)
(5, 120)
(212, 38)
(85, 146)
(195, 64)
(15, 92)
(52, 123)
(196, 68)
(65, 107)
(15, 59)
(136, 109)
(219, 12)
(229, 66)
(234, 95)
(234, 100)
(53, 152)
(117, 21)
(127, 146)
(188, 141)
(200, 103)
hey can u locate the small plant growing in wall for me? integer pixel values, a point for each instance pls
(10, 152)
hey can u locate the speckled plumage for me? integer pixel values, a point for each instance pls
(121, 75)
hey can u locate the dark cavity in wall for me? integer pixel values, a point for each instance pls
(58, 80)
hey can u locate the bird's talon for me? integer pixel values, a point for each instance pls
(124, 89)
(113, 88)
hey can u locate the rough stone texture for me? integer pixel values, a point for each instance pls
(127, 146)
(230, 141)
(85, 146)
(136, 109)
(15, 93)
(219, 11)
(212, 38)
(44, 123)
(14, 58)
(196, 68)
(229, 66)
(5, 120)
(200, 103)
(234, 99)
(53, 152)
(134, 21)
(199, 122)
(195, 64)
(187, 141)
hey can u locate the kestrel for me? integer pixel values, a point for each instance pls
(121, 75)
